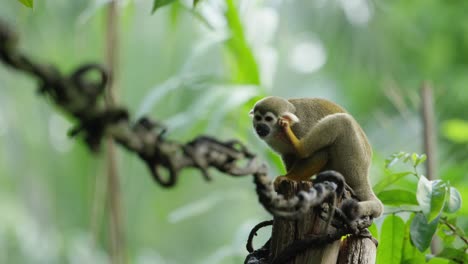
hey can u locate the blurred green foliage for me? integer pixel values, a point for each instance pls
(28, 3)
(199, 70)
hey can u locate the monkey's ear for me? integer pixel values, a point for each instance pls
(251, 113)
(291, 117)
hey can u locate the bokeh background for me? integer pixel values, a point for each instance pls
(199, 71)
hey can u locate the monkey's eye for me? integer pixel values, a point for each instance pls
(268, 118)
(258, 118)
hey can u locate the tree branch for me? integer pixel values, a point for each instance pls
(80, 97)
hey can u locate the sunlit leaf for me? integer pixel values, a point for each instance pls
(456, 130)
(438, 261)
(159, 91)
(27, 3)
(453, 202)
(243, 64)
(389, 179)
(374, 231)
(431, 197)
(174, 14)
(395, 157)
(439, 191)
(414, 158)
(397, 197)
(276, 161)
(423, 195)
(391, 162)
(391, 240)
(406, 157)
(421, 158)
(160, 3)
(406, 208)
(421, 231)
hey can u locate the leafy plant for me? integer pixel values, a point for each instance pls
(432, 208)
(27, 3)
(160, 3)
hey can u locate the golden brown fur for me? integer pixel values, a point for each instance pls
(322, 136)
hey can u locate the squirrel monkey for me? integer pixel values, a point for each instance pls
(314, 135)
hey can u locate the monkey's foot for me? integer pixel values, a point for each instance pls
(278, 180)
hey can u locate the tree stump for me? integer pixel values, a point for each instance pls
(350, 250)
(286, 231)
(357, 250)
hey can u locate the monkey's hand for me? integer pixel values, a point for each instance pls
(285, 122)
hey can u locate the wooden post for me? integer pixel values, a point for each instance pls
(351, 250)
(286, 231)
(357, 250)
(429, 131)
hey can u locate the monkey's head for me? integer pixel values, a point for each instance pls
(267, 113)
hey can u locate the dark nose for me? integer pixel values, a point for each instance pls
(262, 130)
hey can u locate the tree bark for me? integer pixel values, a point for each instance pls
(357, 250)
(350, 250)
(286, 231)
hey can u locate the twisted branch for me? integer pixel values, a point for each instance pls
(79, 95)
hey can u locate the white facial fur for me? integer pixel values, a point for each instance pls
(267, 128)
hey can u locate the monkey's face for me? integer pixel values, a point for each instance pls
(271, 128)
(265, 124)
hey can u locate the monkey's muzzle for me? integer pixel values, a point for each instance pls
(262, 130)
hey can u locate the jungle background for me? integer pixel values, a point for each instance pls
(199, 70)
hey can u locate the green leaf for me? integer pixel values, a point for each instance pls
(431, 197)
(389, 179)
(438, 261)
(421, 158)
(445, 234)
(374, 231)
(27, 3)
(174, 14)
(423, 195)
(456, 130)
(240, 57)
(410, 253)
(397, 197)
(406, 157)
(195, 2)
(421, 231)
(160, 3)
(391, 161)
(439, 191)
(403, 208)
(456, 255)
(414, 158)
(391, 240)
(395, 157)
(453, 202)
(160, 91)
